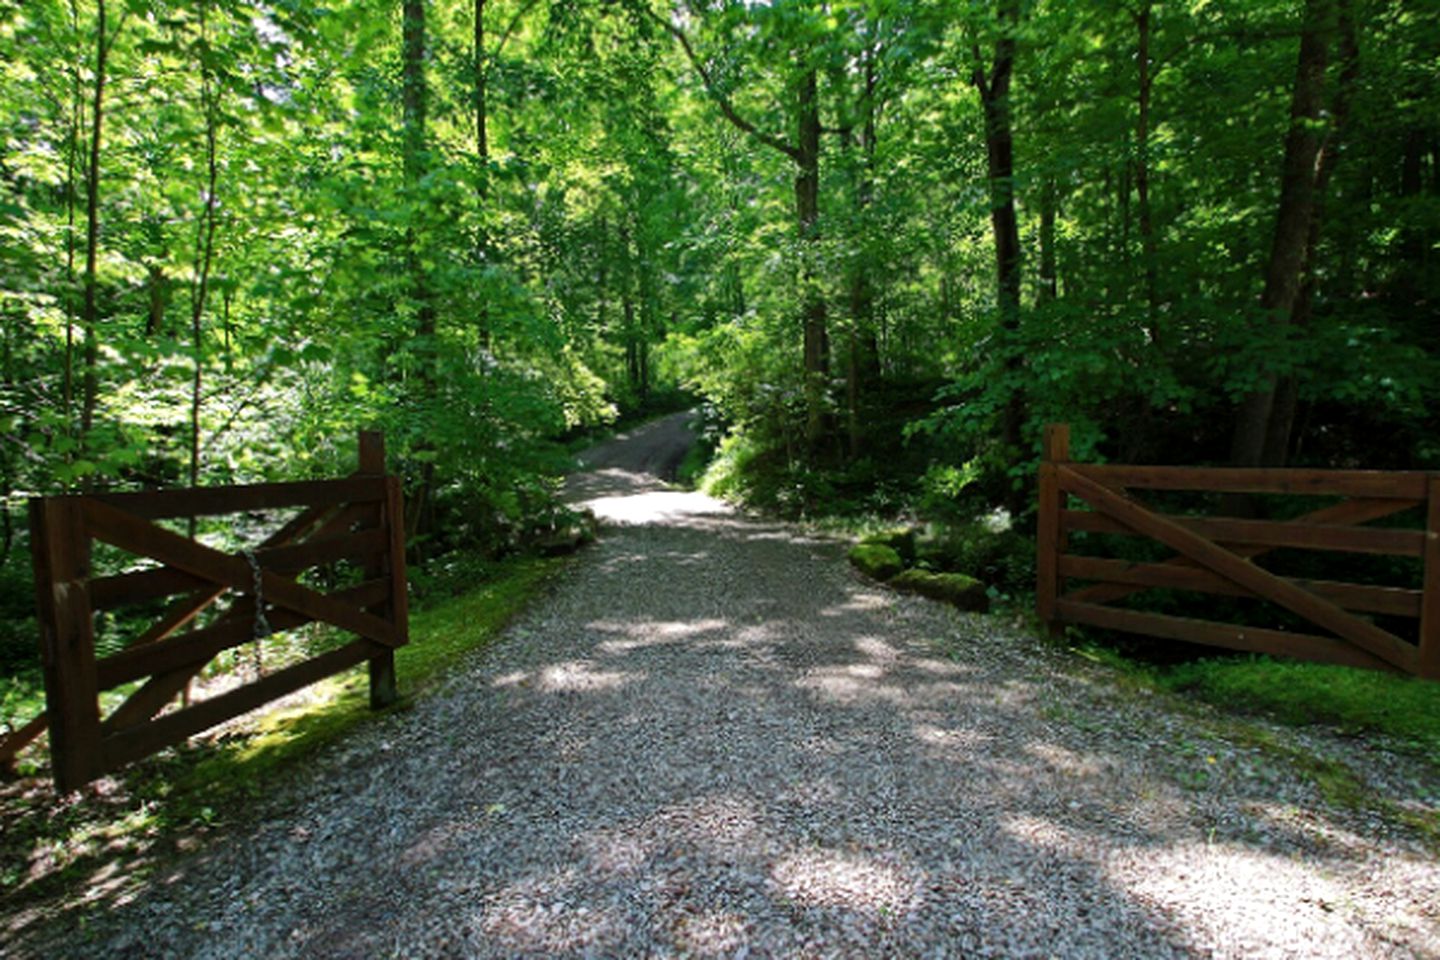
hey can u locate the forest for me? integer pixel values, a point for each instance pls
(880, 244)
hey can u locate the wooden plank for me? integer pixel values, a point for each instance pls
(130, 532)
(1048, 531)
(162, 688)
(399, 583)
(139, 586)
(21, 738)
(320, 550)
(1268, 533)
(133, 743)
(384, 682)
(188, 608)
(197, 647)
(1348, 512)
(206, 501)
(1429, 666)
(299, 525)
(347, 519)
(1381, 484)
(177, 616)
(1389, 600)
(1231, 637)
(1241, 572)
(61, 553)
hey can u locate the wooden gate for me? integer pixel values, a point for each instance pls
(358, 518)
(1217, 555)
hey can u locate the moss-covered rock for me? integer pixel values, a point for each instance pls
(876, 560)
(899, 539)
(956, 589)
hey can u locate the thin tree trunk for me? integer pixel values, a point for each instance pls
(72, 159)
(482, 159)
(1282, 415)
(994, 92)
(807, 214)
(227, 298)
(864, 366)
(1148, 245)
(204, 255)
(89, 317)
(1292, 225)
(413, 106)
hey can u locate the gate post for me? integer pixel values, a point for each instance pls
(60, 548)
(1049, 540)
(1429, 666)
(383, 690)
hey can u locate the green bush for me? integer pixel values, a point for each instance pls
(985, 549)
(876, 560)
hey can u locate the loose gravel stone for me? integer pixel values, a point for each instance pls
(716, 740)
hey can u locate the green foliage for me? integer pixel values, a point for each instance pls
(988, 549)
(876, 560)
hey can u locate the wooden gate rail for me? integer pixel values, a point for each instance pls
(358, 518)
(1216, 555)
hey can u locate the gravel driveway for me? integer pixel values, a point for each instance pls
(714, 739)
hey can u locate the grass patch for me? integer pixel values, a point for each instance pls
(1404, 710)
(1359, 701)
(56, 849)
(692, 468)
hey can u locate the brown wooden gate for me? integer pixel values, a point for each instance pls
(1217, 555)
(358, 518)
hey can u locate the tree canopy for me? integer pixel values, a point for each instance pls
(234, 231)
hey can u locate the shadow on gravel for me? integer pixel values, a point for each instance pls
(715, 742)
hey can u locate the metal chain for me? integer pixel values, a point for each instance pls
(262, 626)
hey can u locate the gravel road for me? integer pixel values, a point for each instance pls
(714, 739)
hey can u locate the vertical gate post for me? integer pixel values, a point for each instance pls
(60, 546)
(1049, 539)
(1430, 600)
(382, 666)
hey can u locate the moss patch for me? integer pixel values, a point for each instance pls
(876, 560)
(956, 589)
(900, 539)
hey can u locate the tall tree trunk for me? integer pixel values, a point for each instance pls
(1282, 414)
(994, 90)
(482, 159)
(1148, 245)
(807, 214)
(204, 252)
(413, 105)
(1292, 224)
(90, 311)
(72, 161)
(864, 366)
